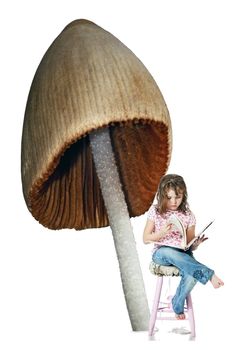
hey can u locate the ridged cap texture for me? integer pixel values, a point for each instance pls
(87, 80)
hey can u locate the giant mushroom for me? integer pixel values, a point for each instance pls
(96, 140)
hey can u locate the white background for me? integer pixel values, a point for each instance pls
(62, 289)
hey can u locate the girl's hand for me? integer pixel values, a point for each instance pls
(164, 230)
(198, 242)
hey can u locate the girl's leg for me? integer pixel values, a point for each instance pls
(187, 283)
(184, 261)
(191, 271)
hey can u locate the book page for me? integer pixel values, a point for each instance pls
(177, 225)
(174, 220)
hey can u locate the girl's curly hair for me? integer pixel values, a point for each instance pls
(176, 183)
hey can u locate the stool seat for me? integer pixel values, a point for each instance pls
(161, 270)
(166, 308)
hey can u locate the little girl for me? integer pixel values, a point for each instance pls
(172, 199)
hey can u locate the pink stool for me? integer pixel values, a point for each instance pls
(160, 310)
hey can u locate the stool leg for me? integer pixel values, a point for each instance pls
(191, 315)
(153, 317)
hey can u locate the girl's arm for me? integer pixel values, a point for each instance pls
(150, 235)
(190, 232)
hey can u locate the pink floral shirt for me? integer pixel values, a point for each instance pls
(172, 238)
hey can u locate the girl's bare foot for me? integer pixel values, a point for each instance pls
(216, 281)
(180, 316)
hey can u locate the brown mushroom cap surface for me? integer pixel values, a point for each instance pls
(87, 80)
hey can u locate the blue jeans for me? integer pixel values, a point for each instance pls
(191, 272)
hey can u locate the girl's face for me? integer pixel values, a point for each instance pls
(173, 200)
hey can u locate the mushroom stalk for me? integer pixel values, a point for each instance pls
(125, 245)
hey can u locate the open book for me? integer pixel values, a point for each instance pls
(177, 237)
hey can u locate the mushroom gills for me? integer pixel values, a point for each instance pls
(71, 196)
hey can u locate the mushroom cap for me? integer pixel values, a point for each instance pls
(88, 80)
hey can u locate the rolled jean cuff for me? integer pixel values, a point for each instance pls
(203, 275)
